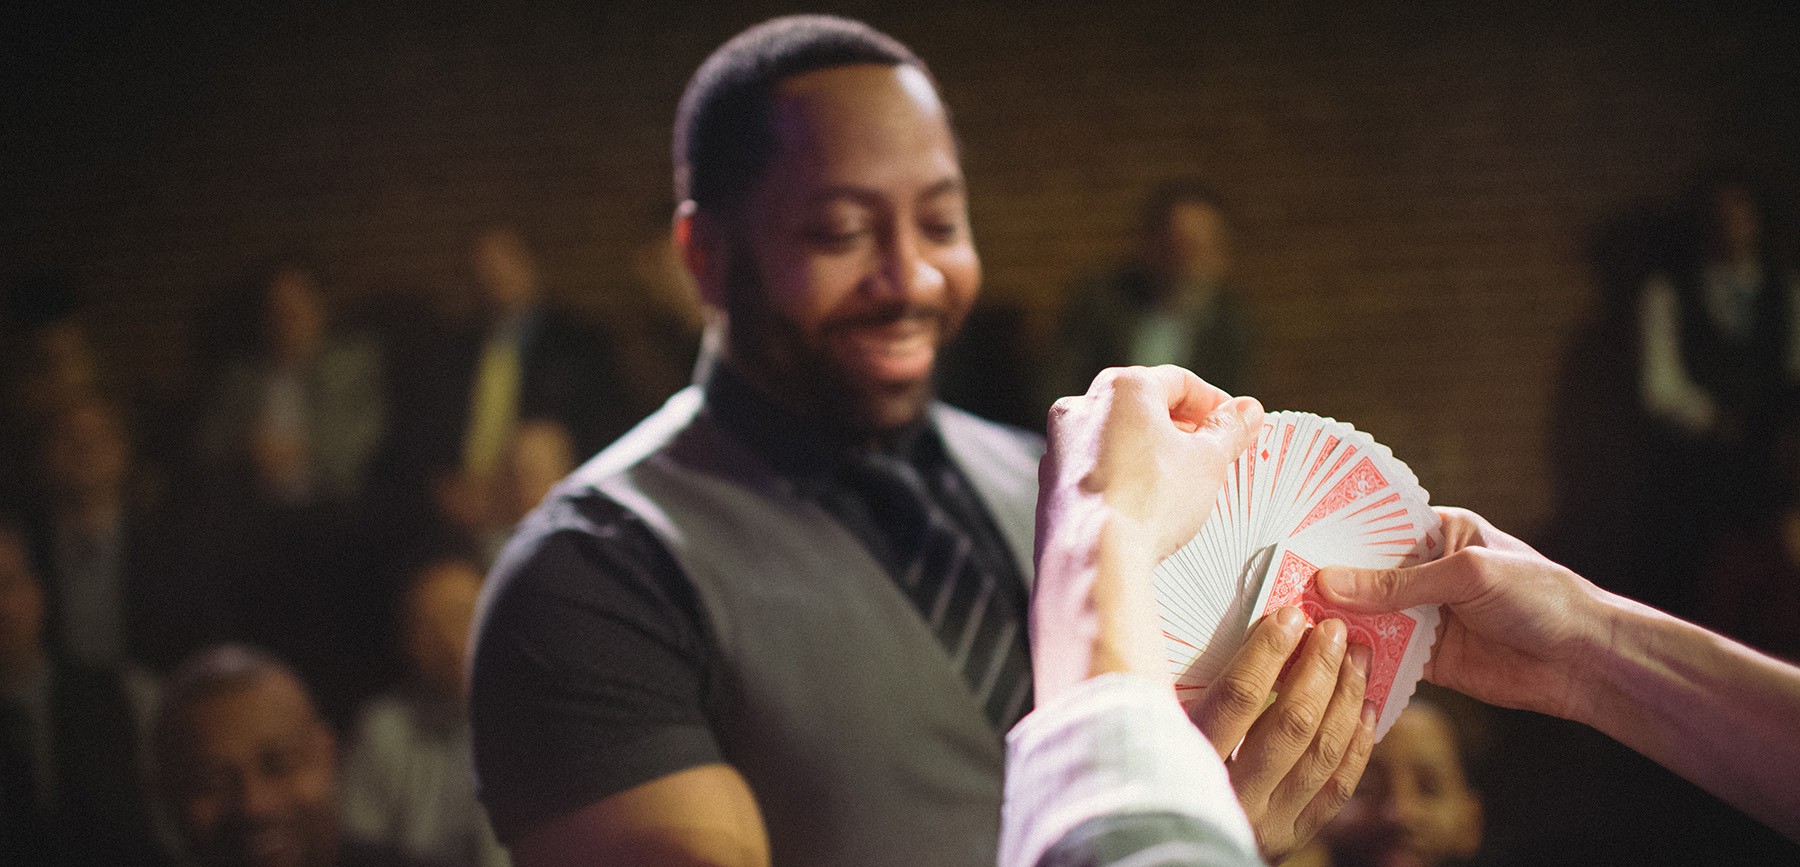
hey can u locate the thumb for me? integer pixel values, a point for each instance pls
(1440, 582)
(1233, 425)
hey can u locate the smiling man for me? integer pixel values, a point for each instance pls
(785, 614)
(783, 619)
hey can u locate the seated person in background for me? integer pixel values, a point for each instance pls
(1175, 303)
(1414, 804)
(1104, 768)
(116, 582)
(295, 420)
(71, 787)
(541, 453)
(408, 779)
(248, 769)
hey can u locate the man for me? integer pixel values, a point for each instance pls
(248, 768)
(407, 776)
(462, 393)
(70, 788)
(1174, 304)
(116, 589)
(784, 617)
(1105, 771)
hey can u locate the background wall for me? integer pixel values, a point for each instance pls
(1432, 199)
(1418, 186)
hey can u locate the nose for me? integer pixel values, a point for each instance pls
(907, 272)
(258, 796)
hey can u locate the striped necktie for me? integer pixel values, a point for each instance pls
(975, 612)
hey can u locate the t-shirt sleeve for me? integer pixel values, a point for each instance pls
(591, 666)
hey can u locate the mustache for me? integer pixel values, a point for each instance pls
(891, 313)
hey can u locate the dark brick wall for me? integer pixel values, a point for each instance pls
(1417, 185)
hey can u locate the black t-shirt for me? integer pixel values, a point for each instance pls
(594, 668)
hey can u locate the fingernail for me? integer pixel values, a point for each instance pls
(1289, 618)
(1368, 713)
(1359, 657)
(1337, 582)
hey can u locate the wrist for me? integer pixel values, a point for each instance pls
(1093, 609)
(1127, 640)
(1631, 643)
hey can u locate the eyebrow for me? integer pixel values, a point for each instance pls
(944, 187)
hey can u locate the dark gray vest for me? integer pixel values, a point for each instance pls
(838, 705)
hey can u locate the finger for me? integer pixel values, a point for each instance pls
(1279, 737)
(1232, 427)
(1336, 733)
(1336, 791)
(1189, 398)
(1465, 529)
(1449, 580)
(1232, 702)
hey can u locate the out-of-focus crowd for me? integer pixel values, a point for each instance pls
(314, 521)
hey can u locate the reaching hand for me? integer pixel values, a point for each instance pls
(1515, 625)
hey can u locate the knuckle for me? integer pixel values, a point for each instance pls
(1333, 744)
(1237, 696)
(1296, 723)
(1335, 793)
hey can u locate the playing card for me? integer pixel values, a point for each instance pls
(1311, 492)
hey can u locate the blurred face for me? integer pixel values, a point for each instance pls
(438, 612)
(1740, 226)
(21, 604)
(852, 262)
(542, 453)
(296, 314)
(85, 453)
(1194, 245)
(504, 270)
(255, 781)
(1413, 806)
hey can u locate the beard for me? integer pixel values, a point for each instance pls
(797, 369)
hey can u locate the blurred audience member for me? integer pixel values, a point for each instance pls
(1718, 345)
(540, 455)
(1173, 305)
(70, 781)
(409, 781)
(1414, 805)
(295, 421)
(1751, 577)
(115, 594)
(460, 398)
(659, 348)
(52, 361)
(48, 362)
(248, 769)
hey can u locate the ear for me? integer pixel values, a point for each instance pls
(701, 240)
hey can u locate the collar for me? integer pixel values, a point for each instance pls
(805, 448)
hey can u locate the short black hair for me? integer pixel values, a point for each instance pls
(723, 138)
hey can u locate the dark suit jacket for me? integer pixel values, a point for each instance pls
(568, 376)
(101, 815)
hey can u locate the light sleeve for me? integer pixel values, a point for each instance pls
(1112, 748)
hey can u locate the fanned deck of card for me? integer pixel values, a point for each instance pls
(1312, 492)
